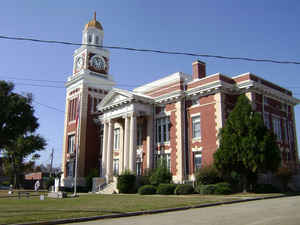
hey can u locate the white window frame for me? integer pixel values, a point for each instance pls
(116, 138)
(71, 143)
(163, 126)
(195, 120)
(116, 166)
(197, 155)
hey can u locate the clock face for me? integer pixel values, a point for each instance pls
(98, 62)
(79, 63)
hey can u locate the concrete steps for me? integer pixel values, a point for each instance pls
(109, 188)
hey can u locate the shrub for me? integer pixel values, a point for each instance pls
(223, 188)
(184, 189)
(161, 175)
(265, 188)
(207, 175)
(147, 190)
(166, 189)
(208, 189)
(126, 183)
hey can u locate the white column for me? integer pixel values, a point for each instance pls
(132, 153)
(109, 167)
(149, 142)
(121, 150)
(104, 149)
(126, 143)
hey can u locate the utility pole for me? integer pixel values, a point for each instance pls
(51, 162)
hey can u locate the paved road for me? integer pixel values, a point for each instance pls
(281, 211)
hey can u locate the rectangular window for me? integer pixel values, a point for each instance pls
(71, 143)
(267, 120)
(163, 158)
(70, 169)
(139, 134)
(197, 161)
(277, 128)
(117, 139)
(163, 127)
(116, 167)
(196, 126)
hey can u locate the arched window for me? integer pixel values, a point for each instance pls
(97, 40)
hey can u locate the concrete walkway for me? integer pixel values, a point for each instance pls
(281, 211)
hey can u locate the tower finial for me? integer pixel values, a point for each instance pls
(95, 15)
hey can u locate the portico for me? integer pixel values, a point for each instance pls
(127, 120)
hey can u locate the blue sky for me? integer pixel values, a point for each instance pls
(257, 29)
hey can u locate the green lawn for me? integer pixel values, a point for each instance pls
(13, 210)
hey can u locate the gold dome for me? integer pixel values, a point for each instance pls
(93, 23)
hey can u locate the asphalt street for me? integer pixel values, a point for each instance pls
(280, 211)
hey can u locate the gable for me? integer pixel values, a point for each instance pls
(114, 97)
(117, 98)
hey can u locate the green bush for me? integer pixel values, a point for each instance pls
(184, 189)
(126, 183)
(208, 189)
(207, 175)
(161, 175)
(223, 188)
(166, 189)
(147, 190)
(265, 188)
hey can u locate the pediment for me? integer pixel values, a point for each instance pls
(114, 97)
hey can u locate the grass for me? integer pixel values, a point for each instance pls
(14, 210)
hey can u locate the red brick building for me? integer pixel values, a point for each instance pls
(176, 118)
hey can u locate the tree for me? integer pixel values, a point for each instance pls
(17, 127)
(16, 115)
(247, 147)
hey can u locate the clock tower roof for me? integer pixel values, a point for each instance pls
(93, 23)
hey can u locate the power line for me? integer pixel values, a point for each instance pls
(60, 81)
(151, 50)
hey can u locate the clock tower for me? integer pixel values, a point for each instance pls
(85, 88)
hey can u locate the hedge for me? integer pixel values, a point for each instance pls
(208, 189)
(184, 189)
(223, 188)
(166, 189)
(126, 183)
(147, 190)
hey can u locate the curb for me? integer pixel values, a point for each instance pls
(138, 213)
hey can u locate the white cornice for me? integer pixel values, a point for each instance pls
(175, 77)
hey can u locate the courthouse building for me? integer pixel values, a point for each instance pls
(176, 118)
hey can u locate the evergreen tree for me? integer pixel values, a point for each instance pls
(17, 127)
(247, 147)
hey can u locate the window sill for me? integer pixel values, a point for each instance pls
(163, 143)
(196, 139)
